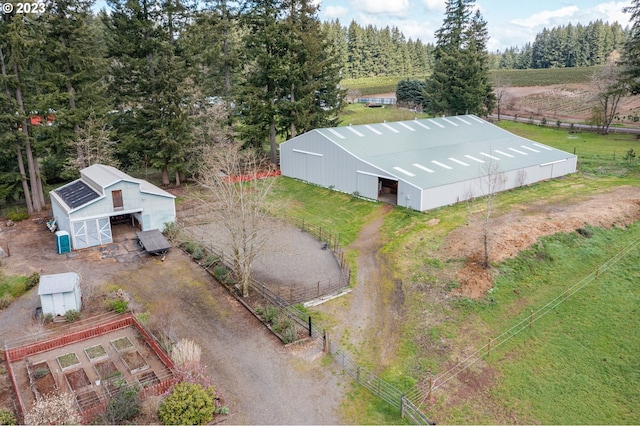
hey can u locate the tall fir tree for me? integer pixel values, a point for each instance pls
(460, 82)
(150, 82)
(631, 55)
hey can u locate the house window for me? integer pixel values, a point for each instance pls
(117, 200)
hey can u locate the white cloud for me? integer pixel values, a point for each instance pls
(610, 12)
(547, 17)
(333, 12)
(434, 5)
(391, 7)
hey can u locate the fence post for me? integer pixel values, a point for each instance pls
(530, 317)
(489, 351)
(326, 341)
(597, 272)
(358, 375)
(566, 293)
(402, 406)
(310, 332)
(430, 387)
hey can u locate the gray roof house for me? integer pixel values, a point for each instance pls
(60, 293)
(85, 207)
(420, 164)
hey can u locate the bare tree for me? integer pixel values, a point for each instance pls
(93, 145)
(236, 199)
(608, 89)
(490, 181)
(501, 85)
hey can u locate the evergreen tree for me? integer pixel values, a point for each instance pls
(76, 70)
(150, 82)
(460, 79)
(631, 58)
(22, 72)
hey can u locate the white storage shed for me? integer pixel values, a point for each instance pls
(60, 293)
(420, 164)
(86, 207)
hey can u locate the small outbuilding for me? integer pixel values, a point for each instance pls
(60, 293)
(87, 207)
(421, 164)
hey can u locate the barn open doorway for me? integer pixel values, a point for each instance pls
(124, 227)
(388, 191)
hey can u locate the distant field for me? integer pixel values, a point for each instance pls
(545, 77)
(517, 78)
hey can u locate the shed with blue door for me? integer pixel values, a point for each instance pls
(87, 207)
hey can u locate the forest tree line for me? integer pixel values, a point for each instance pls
(151, 83)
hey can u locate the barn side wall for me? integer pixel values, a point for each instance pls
(62, 220)
(314, 159)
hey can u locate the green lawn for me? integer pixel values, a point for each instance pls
(579, 358)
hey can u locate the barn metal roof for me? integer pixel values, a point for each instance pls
(437, 151)
(77, 194)
(58, 283)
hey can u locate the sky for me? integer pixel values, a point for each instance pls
(510, 22)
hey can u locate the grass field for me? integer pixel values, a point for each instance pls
(518, 78)
(576, 365)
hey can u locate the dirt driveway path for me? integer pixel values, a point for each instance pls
(367, 318)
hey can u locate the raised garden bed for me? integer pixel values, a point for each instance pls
(107, 370)
(134, 361)
(67, 361)
(42, 379)
(122, 344)
(77, 379)
(147, 378)
(96, 353)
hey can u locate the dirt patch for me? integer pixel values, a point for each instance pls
(524, 225)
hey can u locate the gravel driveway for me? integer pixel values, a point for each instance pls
(260, 380)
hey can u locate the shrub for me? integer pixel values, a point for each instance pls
(289, 334)
(120, 306)
(187, 404)
(211, 260)
(270, 314)
(124, 405)
(47, 318)
(171, 231)
(32, 281)
(5, 301)
(16, 216)
(7, 418)
(221, 274)
(189, 247)
(197, 253)
(72, 315)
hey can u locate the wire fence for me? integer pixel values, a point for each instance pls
(264, 295)
(423, 391)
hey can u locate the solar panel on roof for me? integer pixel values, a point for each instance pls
(77, 194)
